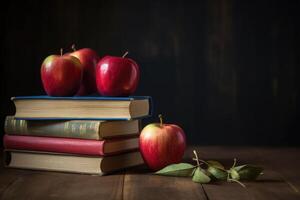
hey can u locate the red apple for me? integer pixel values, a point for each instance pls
(61, 75)
(162, 144)
(89, 59)
(117, 76)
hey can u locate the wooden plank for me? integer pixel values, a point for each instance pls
(142, 185)
(269, 186)
(285, 161)
(8, 177)
(22, 184)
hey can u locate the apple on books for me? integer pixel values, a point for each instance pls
(89, 59)
(117, 76)
(61, 75)
(162, 144)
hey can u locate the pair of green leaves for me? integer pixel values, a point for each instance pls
(214, 171)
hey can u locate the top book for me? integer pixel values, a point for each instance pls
(84, 108)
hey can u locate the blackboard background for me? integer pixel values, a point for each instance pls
(226, 71)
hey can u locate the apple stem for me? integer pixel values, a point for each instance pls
(125, 54)
(73, 47)
(61, 51)
(160, 119)
(197, 159)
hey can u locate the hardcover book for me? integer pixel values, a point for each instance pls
(99, 108)
(84, 129)
(71, 163)
(70, 145)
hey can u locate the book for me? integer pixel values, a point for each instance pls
(99, 108)
(70, 163)
(70, 145)
(84, 129)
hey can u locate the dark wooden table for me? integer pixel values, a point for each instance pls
(281, 180)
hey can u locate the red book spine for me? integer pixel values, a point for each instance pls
(59, 145)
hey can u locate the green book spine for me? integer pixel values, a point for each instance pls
(71, 129)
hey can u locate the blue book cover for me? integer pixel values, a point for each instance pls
(83, 98)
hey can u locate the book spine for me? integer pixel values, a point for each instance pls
(68, 129)
(58, 145)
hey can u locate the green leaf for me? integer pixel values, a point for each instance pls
(200, 176)
(217, 173)
(234, 174)
(248, 172)
(215, 164)
(181, 169)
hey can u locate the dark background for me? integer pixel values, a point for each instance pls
(226, 71)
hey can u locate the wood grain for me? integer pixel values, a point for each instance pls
(269, 186)
(151, 187)
(285, 161)
(50, 185)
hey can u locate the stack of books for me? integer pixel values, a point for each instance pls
(92, 135)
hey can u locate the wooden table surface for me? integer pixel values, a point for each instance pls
(281, 180)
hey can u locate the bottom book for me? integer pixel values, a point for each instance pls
(70, 163)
